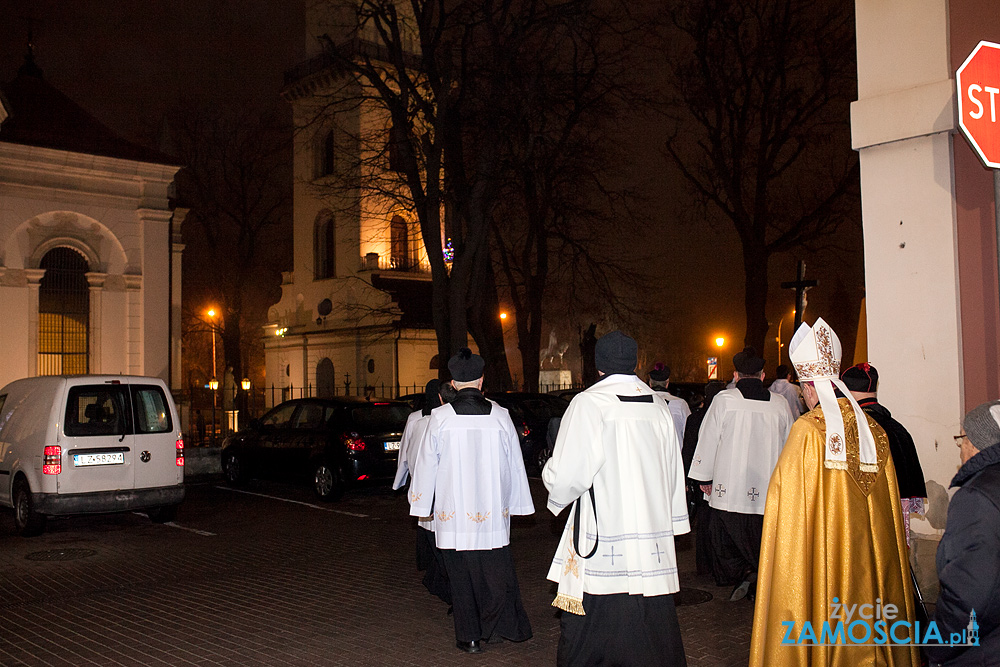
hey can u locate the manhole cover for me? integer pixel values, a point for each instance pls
(688, 597)
(61, 554)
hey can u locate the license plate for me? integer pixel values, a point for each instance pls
(392, 446)
(104, 459)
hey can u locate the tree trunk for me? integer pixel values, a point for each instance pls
(755, 260)
(588, 344)
(486, 327)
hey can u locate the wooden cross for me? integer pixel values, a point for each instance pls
(800, 285)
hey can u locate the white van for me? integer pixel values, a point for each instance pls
(84, 444)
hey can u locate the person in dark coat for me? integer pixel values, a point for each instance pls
(698, 508)
(968, 558)
(862, 381)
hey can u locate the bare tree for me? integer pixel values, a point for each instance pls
(555, 220)
(761, 125)
(236, 183)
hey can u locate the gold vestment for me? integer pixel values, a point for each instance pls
(830, 533)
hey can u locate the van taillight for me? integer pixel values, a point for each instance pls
(52, 464)
(180, 451)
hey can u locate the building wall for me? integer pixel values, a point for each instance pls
(971, 21)
(930, 248)
(115, 213)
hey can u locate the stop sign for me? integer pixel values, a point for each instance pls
(978, 82)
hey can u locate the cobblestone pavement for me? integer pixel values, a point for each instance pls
(267, 576)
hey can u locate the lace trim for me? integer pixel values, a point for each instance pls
(569, 604)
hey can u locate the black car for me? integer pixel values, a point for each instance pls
(531, 413)
(334, 442)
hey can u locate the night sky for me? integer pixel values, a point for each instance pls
(128, 62)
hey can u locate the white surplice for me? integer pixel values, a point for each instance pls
(738, 446)
(413, 434)
(469, 472)
(791, 393)
(629, 453)
(679, 410)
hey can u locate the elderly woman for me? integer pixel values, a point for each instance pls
(968, 558)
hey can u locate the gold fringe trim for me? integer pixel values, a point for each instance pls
(869, 467)
(835, 465)
(570, 604)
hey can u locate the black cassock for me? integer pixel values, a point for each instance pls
(904, 454)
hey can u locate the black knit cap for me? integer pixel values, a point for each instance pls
(465, 366)
(660, 373)
(747, 362)
(862, 377)
(616, 352)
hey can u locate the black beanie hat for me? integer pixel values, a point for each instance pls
(660, 373)
(465, 366)
(616, 352)
(747, 362)
(862, 377)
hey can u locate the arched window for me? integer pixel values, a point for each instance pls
(326, 382)
(399, 243)
(324, 246)
(325, 155)
(63, 314)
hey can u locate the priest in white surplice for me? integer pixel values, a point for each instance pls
(791, 392)
(659, 381)
(738, 446)
(429, 559)
(617, 461)
(470, 475)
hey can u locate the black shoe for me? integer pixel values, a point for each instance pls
(470, 647)
(740, 591)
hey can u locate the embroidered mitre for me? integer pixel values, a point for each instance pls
(815, 352)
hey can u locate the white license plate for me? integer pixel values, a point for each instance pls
(104, 459)
(392, 446)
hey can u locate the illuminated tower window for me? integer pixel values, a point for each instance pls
(63, 314)
(400, 243)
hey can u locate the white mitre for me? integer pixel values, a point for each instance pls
(815, 352)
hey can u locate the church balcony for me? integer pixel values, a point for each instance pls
(376, 262)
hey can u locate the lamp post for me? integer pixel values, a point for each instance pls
(778, 339)
(245, 384)
(213, 384)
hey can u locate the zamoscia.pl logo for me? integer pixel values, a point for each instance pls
(874, 625)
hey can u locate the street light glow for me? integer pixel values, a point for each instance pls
(211, 312)
(503, 316)
(720, 341)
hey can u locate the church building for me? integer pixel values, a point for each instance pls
(90, 248)
(355, 312)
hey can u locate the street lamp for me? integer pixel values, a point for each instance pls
(245, 384)
(213, 384)
(780, 344)
(720, 341)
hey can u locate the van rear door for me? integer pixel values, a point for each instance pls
(155, 437)
(97, 445)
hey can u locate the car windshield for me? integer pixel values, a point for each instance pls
(385, 417)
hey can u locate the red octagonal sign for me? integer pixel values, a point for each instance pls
(978, 82)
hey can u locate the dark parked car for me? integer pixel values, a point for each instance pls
(334, 442)
(531, 413)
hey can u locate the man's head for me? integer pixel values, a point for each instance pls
(782, 372)
(748, 364)
(861, 380)
(466, 370)
(809, 394)
(982, 429)
(432, 397)
(659, 377)
(616, 352)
